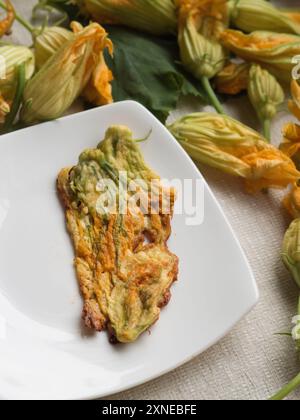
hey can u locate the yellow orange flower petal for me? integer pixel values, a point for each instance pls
(233, 79)
(7, 22)
(295, 16)
(292, 202)
(270, 169)
(294, 104)
(209, 16)
(259, 41)
(291, 140)
(273, 51)
(99, 90)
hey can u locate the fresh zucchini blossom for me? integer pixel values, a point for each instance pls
(230, 146)
(7, 22)
(265, 94)
(200, 24)
(77, 68)
(98, 91)
(291, 258)
(291, 250)
(154, 16)
(12, 57)
(272, 51)
(294, 104)
(291, 142)
(233, 79)
(260, 15)
(291, 132)
(49, 42)
(291, 202)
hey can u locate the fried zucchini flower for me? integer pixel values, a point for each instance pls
(200, 24)
(259, 15)
(49, 42)
(153, 16)
(12, 56)
(265, 94)
(271, 50)
(233, 79)
(291, 250)
(77, 68)
(294, 104)
(230, 146)
(7, 22)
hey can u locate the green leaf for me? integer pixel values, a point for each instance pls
(146, 69)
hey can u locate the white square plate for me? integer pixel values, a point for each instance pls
(44, 351)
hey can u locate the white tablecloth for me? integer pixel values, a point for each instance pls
(251, 362)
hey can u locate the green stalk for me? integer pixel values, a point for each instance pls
(21, 20)
(281, 395)
(211, 94)
(267, 129)
(9, 121)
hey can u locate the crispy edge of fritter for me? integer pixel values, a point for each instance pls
(91, 314)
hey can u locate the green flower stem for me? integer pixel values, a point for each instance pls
(267, 129)
(212, 96)
(9, 121)
(21, 20)
(294, 384)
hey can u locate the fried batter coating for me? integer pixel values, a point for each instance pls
(123, 265)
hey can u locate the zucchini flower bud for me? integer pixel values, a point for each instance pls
(259, 15)
(12, 57)
(294, 105)
(49, 42)
(233, 79)
(200, 25)
(271, 50)
(155, 17)
(75, 69)
(7, 22)
(266, 95)
(291, 250)
(230, 146)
